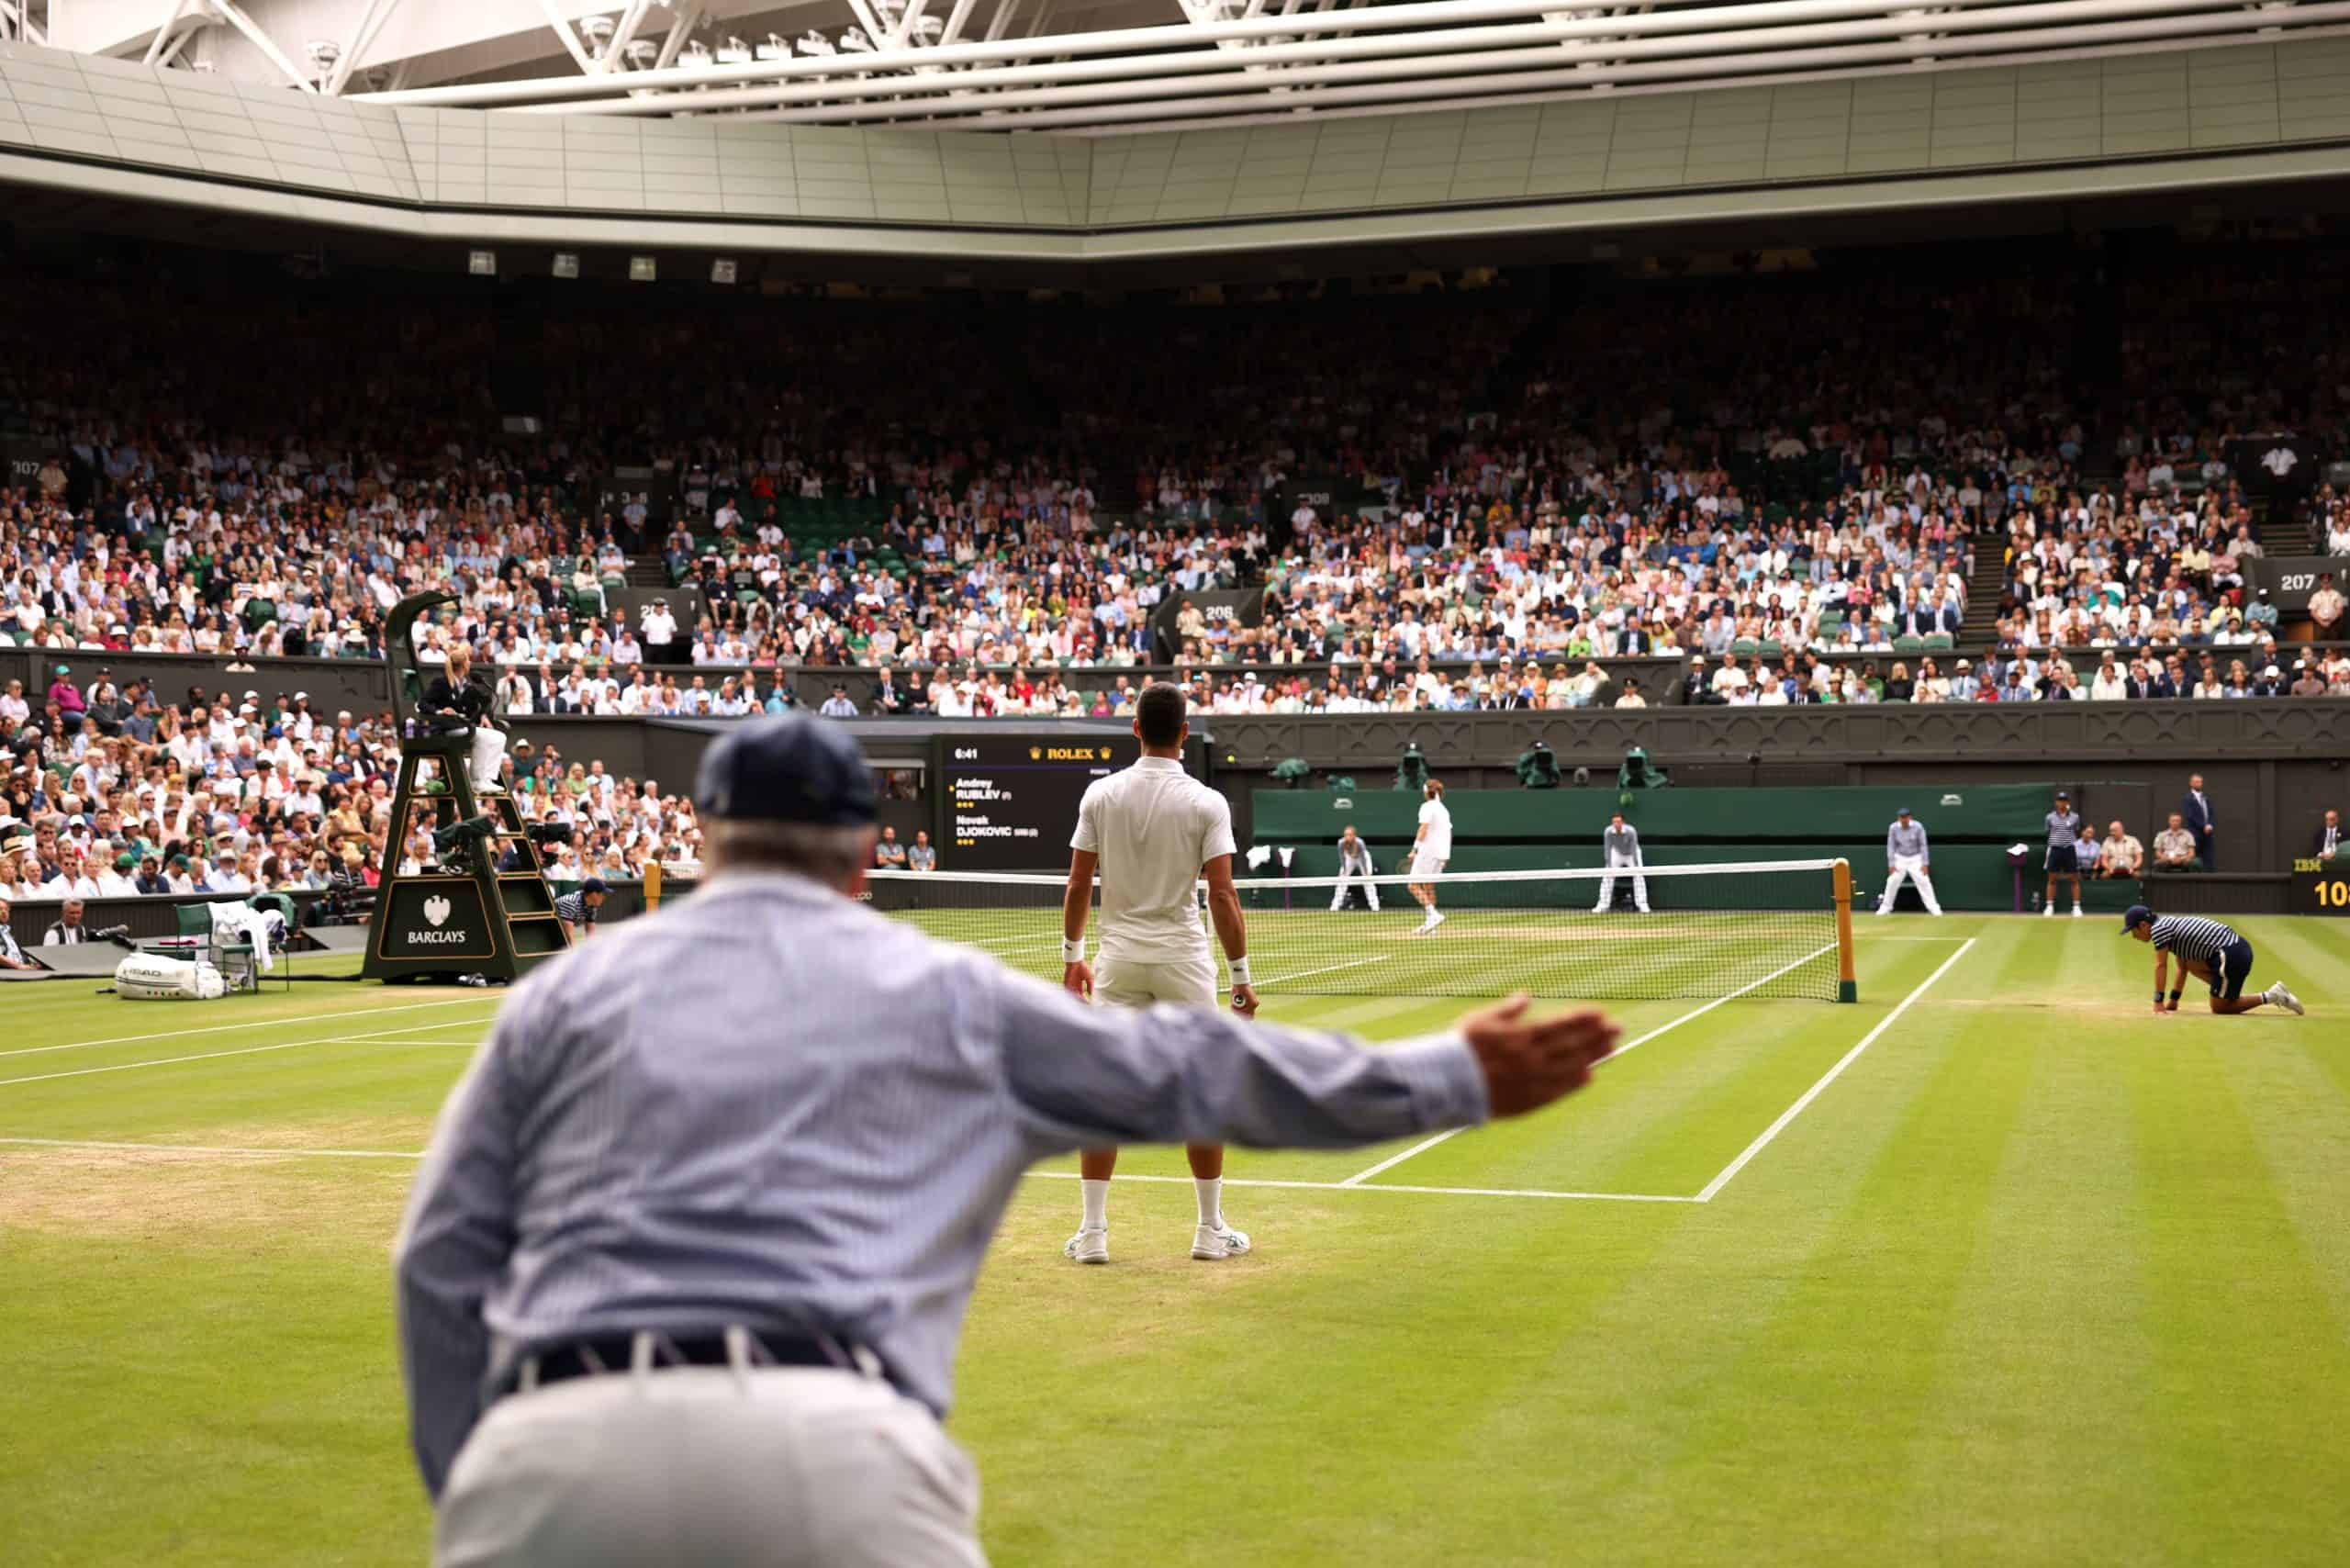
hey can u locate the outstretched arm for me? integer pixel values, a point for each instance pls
(1084, 1077)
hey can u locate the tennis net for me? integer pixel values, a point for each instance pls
(1779, 928)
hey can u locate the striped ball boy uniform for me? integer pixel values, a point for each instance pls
(2209, 942)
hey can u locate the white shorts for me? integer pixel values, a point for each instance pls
(1426, 864)
(1125, 983)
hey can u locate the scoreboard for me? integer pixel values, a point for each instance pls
(1010, 802)
(2321, 886)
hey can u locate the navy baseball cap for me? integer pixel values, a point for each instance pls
(2132, 917)
(593, 885)
(1902, 812)
(790, 768)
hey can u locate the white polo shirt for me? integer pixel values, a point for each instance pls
(1437, 843)
(1154, 826)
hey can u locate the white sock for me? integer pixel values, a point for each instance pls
(1097, 1205)
(1211, 1191)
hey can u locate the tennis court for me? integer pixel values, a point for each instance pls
(2004, 1267)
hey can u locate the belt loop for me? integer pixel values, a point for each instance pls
(528, 1383)
(738, 1353)
(867, 1363)
(640, 1354)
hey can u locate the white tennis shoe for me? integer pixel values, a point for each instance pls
(1215, 1243)
(1088, 1247)
(1435, 919)
(2278, 996)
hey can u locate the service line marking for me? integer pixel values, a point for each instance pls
(1359, 1176)
(223, 1152)
(1706, 1193)
(242, 1051)
(251, 1024)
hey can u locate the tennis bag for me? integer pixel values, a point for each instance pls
(144, 976)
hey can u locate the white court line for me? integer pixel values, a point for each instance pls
(250, 1024)
(1302, 974)
(233, 1153)
(211, 1056)
(1349, 1187)
(1359, 1176)
(211, 1149)
(1706, 1195)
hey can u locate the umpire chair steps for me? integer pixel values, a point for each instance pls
(466, 915)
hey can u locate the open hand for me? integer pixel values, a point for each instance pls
(1078, 980)
(1530, 1062)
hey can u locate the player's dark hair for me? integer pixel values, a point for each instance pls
(1159, 714)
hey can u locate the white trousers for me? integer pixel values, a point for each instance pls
(720, 1467)
(489, 750)
(1608, 885)
(1908, 866)
(1345, 880)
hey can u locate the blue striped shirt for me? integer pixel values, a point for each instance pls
(769, 1105)
(2192, 937)
(1907, 838)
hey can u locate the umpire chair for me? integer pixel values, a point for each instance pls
(463, 916)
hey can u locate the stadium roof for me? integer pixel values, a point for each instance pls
(1078, 66)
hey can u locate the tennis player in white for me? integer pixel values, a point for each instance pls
(1431, 848)
(1153, 832)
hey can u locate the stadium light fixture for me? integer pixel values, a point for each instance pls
(481, 263)
(775, 45)
(697, 56)
(641, 269)
(856, 42)
(723, 270)
(640, 53)
(566, 264)
(813, 43)
(733, 52)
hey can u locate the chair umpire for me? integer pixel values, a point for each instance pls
(685, 1267)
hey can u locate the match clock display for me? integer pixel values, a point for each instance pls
(2321, 886)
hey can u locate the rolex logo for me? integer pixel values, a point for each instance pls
(1036, 753)
(436, 909)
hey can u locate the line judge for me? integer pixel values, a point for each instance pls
(1907, 854)
(684, 1268)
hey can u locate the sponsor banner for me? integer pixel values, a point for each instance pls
(435, 917)
(2291, 580)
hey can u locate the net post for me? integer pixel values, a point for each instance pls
(1847, 988)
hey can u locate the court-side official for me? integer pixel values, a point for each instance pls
(683, 1270)
(2063, 853)
(1354, 861)
(1620, 844)
(1906, 854)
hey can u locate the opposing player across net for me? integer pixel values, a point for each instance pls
(1776, 928)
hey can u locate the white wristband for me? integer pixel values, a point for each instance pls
(1072, 952)
(1239, 970)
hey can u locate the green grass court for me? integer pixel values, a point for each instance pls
(2035, 1277)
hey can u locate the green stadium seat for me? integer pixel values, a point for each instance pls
(1939, 642)
(1746, 647)
(1771, 648)
(1909, 646)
